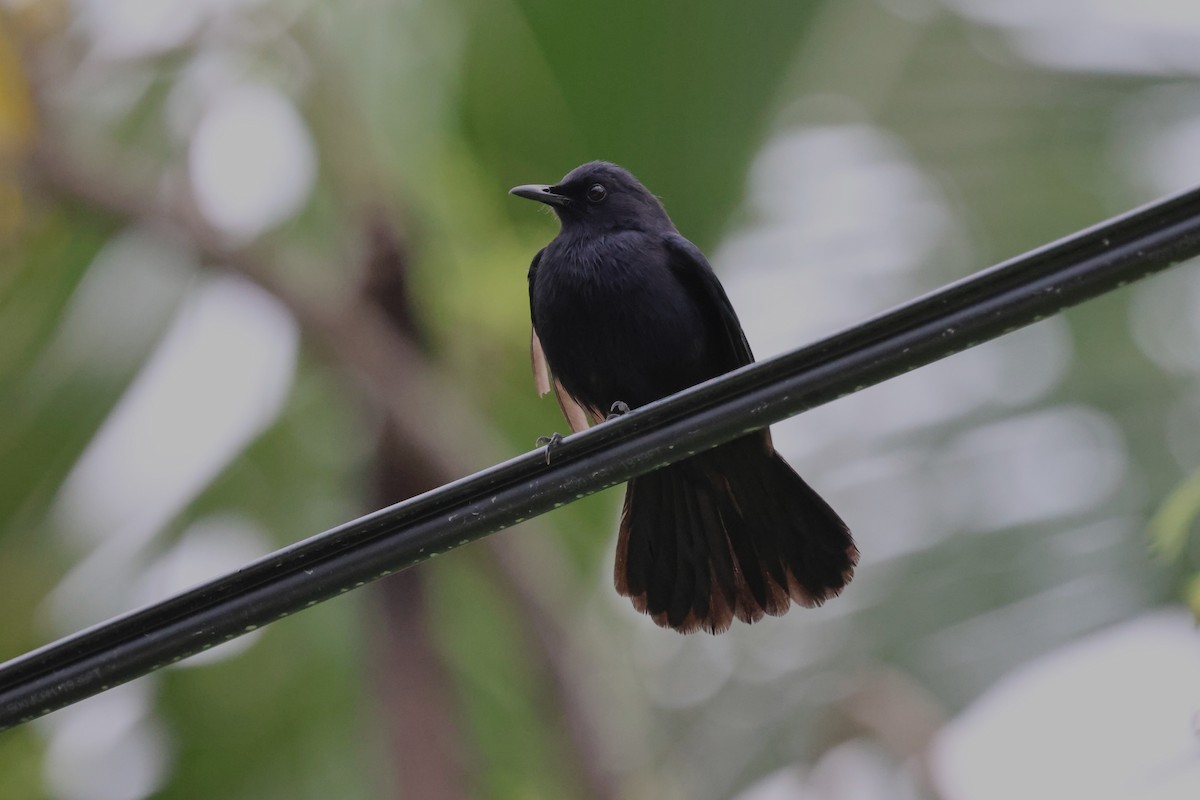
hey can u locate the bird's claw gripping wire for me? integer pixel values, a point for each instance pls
(549, 442)
(619, 408)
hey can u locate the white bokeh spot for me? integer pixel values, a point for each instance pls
(252, 162)
(1107, 718)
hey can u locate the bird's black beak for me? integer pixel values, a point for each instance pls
(543, 194)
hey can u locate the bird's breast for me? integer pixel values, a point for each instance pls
(615, 322)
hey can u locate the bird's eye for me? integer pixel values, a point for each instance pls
(597, 193)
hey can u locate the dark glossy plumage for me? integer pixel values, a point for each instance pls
(627, 310)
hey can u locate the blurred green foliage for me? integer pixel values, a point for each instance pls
(425, 114)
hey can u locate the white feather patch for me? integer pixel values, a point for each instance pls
(576, 416)
(541, 370)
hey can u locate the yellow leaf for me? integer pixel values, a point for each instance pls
(1172, 524)
(16, 105)
(1191, 594)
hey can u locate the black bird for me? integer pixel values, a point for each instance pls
(626, 311)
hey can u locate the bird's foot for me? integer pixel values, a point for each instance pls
(619, 409)
(549, 442)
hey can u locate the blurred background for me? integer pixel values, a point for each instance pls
(259, 274)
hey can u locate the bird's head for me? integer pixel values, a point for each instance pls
(600, 196)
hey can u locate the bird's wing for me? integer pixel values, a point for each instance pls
(576, 417)
(537, 357)
(693, 270)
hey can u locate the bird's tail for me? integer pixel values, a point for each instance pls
(732, 532)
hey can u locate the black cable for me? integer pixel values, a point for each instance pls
(966, 313)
